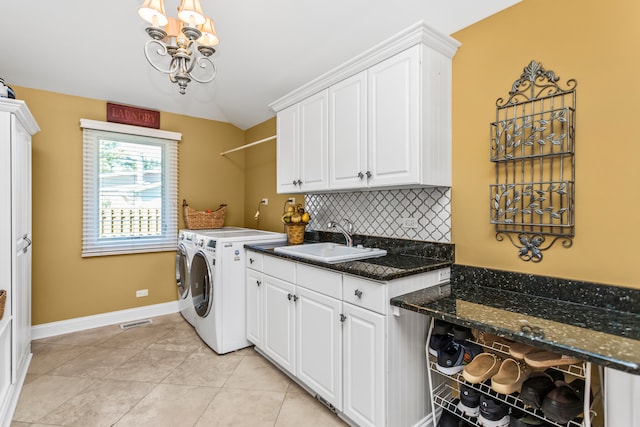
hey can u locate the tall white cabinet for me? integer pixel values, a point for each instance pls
(17, 125)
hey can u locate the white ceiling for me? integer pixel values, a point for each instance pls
(267, 48)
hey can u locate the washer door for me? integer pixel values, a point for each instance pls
(201, 283)
(182, 271)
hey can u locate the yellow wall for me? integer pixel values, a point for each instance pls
(260, 180)
(597, 44)
(65, 285)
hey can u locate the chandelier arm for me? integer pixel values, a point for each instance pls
(201, 63)
(161, 51)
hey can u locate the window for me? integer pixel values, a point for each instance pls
(130, 189)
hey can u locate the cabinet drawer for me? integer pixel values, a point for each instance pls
(320, 280)
(279, 268)
(254, 260)
(365, 294)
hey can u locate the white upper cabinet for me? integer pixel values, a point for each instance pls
(302, 150)
(394, 120)
(348, 165)
(384, 120)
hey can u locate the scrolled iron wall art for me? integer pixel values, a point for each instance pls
(533, 148)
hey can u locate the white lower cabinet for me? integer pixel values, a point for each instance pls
(255, 306)
(335, 334)
(279, 322)
(319, 344)
(364, 366)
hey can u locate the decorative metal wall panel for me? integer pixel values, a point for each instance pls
(380, 213)
(532, 147)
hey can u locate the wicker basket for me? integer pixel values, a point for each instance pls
(3, 300)
(295, 233)
(197, 220)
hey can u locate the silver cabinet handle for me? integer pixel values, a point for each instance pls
(295, 182)
(360, 175)
(289, 296)
(251, 260)
(368, 174)
(343, 317)
(258, 282)
(299, 182)
(295, 298)
(358, 293)
(26, 248)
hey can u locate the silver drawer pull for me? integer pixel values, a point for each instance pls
(258, 282)
(251, 260)
(343, 317)
(358, 293)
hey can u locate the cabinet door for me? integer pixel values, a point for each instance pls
(348, 133)
(287, 153)
(21, 237)
(319, 344)
(279, 322)
(364, 366)
(255, 307)
(394, 120)
(314, 144)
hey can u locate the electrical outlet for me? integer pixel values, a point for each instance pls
(291, 200)
(142, 293)
(265, 201)
(444, 274)
(409, 223)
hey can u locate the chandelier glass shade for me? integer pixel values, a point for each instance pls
(186, 42)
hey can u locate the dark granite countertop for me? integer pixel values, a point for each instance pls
(404, 257)
(594, 322)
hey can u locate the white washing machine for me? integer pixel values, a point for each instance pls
(217, 285)
(184, 256)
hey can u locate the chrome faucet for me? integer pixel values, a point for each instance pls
(346, 233)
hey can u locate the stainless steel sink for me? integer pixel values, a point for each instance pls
(330, 252)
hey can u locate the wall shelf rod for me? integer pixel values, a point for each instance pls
(242, 147)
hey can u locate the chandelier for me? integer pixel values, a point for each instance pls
(188, 41)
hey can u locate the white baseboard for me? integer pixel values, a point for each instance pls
(105, 319)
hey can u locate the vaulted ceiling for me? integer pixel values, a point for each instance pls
(267, 48)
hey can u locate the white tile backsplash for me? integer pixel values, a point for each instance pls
(380, 212)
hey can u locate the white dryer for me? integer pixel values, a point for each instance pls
(217, 282)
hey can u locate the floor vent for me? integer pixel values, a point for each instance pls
(135, 324)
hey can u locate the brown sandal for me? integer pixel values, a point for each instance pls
(546, 359)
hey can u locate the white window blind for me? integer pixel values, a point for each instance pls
(130, 189)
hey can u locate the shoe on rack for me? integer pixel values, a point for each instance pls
(440, 327)
(491, 340)
(535, 388)
(546, 359)
(493, 412)
(456, 355)
(519, 350)
(524, 419)
(440, 337)
(565, 402)
(510, 377)
(461, 333)
(469, 401)
(483, 366)
(449, 419)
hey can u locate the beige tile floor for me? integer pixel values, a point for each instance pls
(157, 375)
